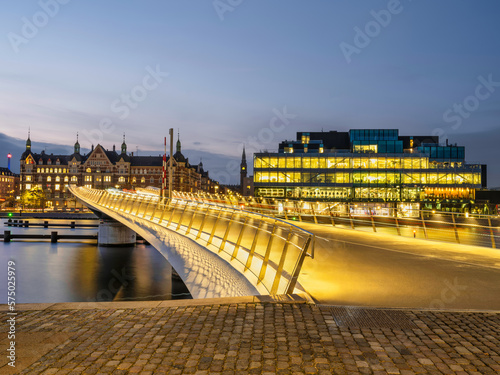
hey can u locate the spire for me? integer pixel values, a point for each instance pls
(243, 156)
(124, 145)
(28, 141)
(77, 145)
(178, 146)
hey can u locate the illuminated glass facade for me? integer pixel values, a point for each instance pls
(367, 166)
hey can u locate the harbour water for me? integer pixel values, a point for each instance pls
(73, 271)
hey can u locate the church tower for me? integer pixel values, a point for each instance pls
(124, 145)
(77, 145)
(28, 141)
(243, 170)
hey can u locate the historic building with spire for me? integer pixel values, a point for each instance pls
(246, 182)
(102, 169)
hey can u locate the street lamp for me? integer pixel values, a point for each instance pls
(9, 155)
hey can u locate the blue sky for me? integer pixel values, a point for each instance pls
(233, 68)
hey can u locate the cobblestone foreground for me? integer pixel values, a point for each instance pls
(254, 338)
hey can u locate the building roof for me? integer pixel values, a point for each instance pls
(146, 161)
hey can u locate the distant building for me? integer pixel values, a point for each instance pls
(372, 165)
(101, 169)
(9, 186)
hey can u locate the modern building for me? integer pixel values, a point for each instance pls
(102, 169)
(369, 165)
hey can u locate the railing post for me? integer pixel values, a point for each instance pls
(155, 208)
(122, 199)
(214, 227)
(182, 215)
(331, 216)
(279, 271)
(238, 241)
(493, 245)
(192, 218)
(423, 223)
(314, 214)
(200, 230)
(223, 243)
(172, 214)
(140, 201)
(254, 244)
(397, 221)
(299, 210)
(455, 227)
(263, 268)
(165, 206)
(147, 207)
(373, 221)
(296, 272)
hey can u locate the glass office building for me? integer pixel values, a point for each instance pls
(372, 165)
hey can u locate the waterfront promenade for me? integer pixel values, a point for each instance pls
(250, 335)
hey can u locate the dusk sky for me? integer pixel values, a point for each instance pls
(230, 72)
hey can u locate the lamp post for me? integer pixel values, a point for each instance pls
(9, 156)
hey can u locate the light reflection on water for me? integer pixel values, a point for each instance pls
(85, 272)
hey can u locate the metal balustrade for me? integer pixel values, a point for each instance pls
(469, 229)
(268, 251)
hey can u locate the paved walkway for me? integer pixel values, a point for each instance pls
(250, 335)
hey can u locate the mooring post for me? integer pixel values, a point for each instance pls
(6, 236)
(45, 224)
(53, 237)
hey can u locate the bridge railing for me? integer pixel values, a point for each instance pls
(463, 228)
(267, 250)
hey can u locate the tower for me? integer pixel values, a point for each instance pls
(243, 170)
(77, 145)
(124, 145)
(28, 142)
(178, 145)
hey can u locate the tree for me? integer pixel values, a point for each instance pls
(33, 198)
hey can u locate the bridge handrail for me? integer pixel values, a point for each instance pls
(464, 228)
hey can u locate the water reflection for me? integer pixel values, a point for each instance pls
(84, 272)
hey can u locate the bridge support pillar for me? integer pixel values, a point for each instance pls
(113, 233)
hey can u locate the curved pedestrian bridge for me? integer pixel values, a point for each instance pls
(218, 250)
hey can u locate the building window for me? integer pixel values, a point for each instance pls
(28, 178)
(89, 170)
(49, 179)
(74, 179)
(143, 180)
(58, 179)
(88, 178)
(121, 179)
(134, 180)
(28, 186)
(152, 180)
(66, 179)
(107, 178)
(58, 186)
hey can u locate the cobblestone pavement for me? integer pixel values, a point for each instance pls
(259, 337)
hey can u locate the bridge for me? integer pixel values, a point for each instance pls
(228, 246)
(218, 250)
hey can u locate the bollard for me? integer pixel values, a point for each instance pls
(9, 222)
(6, 236)
(26, 223)
(72, 225)
(45, 224)
(53, 237)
